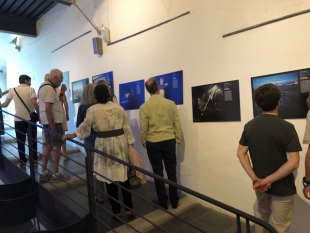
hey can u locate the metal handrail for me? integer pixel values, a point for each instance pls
(238, 213)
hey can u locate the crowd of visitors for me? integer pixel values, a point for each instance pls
(268, 149)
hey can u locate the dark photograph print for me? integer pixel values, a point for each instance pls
(295, 88)
(216, 102)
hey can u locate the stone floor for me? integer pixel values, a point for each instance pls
(207, 220)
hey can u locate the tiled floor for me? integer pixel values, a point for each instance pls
(206, 219)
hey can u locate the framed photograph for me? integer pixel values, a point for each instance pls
(77, 89)
(107, 77)
(295, 89)
(171, 86)
(131, 95)
(216, 102)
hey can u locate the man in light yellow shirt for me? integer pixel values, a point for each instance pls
(160, 129)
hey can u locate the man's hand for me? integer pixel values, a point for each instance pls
(68, 136)
(263, 185)
(306, 191)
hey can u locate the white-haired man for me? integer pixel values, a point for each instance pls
(51, 117)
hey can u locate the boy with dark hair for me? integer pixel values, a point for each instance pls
(274, 152)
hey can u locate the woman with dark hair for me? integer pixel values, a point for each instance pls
(113, 137)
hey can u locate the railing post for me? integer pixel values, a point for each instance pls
(31, 153)
(1, 133)
(90, 190)
(238, 224)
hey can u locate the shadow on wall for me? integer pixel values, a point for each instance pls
(138, 144)
(301, 213)
(188, 170)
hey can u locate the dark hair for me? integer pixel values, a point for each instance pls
(267, 97)
(151, 87)
(102, 94)
(23, 78)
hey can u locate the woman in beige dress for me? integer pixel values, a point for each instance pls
(114, 137)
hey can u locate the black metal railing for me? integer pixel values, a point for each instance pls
(100, 222)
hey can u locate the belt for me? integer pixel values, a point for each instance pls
(111, 133)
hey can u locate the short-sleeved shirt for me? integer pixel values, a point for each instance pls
(268, 138)
(26, 93)
(47, 94)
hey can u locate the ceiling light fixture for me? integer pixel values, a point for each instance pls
(14, 41)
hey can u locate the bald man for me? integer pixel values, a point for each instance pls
(51, 117)
(160, 130)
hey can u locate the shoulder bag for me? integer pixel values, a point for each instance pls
(34, 117)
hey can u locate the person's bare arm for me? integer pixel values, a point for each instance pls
(6, 103)
(306, 189)
(5, 92)
(244, 159)
(50, 118)
(286, 169)
(35, 104)
(65, 103)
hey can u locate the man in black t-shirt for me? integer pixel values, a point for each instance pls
(274, 148)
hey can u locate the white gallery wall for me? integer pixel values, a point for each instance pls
(207, 160)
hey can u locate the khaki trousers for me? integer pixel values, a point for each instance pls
(276, 209)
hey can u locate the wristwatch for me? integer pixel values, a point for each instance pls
(305, 182)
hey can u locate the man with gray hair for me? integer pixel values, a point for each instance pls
(51, 117)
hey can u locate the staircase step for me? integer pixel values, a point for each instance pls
(9, 149)
(74, 182)
(158, 216)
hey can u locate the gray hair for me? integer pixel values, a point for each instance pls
(54, 73)
(88, 97)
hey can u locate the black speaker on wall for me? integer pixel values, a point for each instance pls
(97, 45)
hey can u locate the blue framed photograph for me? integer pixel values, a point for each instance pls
(295, 89)
(107, 77)
(77, 89)
(131, 95)
(171, 86)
